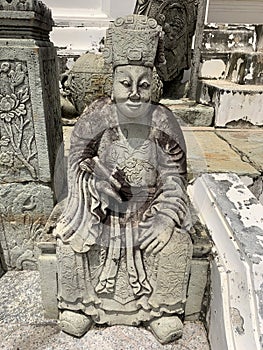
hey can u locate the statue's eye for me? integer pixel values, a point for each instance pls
(126, 83)
(144, 85)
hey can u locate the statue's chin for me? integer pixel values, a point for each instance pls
(133, 110)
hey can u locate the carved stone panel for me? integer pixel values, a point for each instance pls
(30, 127)
(24, 209)
(177, 19)
(18, 152)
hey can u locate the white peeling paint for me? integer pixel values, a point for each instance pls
(250, 213)
(237, 270)
(249, 75)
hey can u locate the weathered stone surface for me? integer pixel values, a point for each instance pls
(89, 79)
(178, 22)
(219, 43)
(234, 218)
(25, 19)
(22, 324)
(225, 38)
(247, 143)
(196, 290)
(209, 153)
(245, 68)
(30, 127)
(233, 103)
(24, 210)
(122, 242)
(188, 112)
(47, 266)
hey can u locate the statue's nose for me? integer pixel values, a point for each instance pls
(134, 95)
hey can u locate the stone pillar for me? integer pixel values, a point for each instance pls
(259, 32)
(30, 128)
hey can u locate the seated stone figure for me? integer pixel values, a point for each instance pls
(123, 249)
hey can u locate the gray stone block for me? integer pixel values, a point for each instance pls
(30, 127)
(24, 210)
(187, 112)
(196, 289)
(235, 105)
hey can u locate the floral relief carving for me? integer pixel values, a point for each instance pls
(17, 142)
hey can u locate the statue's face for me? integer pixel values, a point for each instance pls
(132, 90)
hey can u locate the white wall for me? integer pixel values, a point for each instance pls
(235, 11)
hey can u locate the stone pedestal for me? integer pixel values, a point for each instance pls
(30, 129)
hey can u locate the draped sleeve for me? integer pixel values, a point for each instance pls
(80, 220)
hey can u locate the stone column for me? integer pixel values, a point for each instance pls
(30, 128)
(259, 33)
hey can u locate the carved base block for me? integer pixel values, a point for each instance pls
(24, 209)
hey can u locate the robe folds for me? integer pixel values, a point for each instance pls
(102, 271)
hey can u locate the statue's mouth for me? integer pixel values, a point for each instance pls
(133, 105)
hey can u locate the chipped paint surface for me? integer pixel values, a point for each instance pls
(237, 321)
(233, 102)
(234, 218)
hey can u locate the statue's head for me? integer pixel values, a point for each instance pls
(133, 47)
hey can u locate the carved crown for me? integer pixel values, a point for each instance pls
(135, 39)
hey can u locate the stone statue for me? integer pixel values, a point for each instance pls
(177, 19)
(123, 247)
(89, 79)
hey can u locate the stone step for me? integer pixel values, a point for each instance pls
(190, 113)
(235, 105)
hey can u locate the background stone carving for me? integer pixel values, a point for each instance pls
(177, 19)
(18, 153)
(24, 209)
(30, 128)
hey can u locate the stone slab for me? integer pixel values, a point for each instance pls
(234, 104)
(208, 153)
(248, 143)
(188, 112)
(23, 327)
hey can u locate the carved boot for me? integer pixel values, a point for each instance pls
(166, 328)
(74, 323)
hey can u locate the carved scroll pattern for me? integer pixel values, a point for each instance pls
(18, 153)
(83, 88)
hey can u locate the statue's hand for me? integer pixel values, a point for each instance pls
(106, 188)
(155, 233)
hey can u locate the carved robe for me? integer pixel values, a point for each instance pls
(101, 269)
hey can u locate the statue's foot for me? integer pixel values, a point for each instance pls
(74, 323)
(166, 328)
